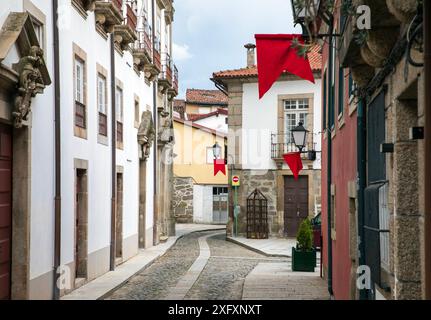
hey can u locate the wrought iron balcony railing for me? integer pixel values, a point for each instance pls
(167, 68)
(175, 81)
(131, 15)
(282, 143)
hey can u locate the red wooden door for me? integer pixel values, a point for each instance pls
(295, 203)
(5, 210)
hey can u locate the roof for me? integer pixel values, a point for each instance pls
(208, 97)
(179, 103)
(197, 117)
(200, 127)
(314, 56)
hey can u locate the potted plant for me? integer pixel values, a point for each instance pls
(304, 255)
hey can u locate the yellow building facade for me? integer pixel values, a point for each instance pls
(198, 194)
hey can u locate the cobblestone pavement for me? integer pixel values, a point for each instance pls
(152, 283)
(222, 278)
(224, 274)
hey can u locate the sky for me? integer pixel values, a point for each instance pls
(209, 35)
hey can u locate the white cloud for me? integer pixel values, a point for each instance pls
(181, 52)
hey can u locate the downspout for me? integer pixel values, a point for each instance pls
(156, 129)
(427, 112)
(113, 155)
(329, 164)
(361, 163)
(57, 124)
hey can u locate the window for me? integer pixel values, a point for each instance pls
(210, 155)
(220, 191)
(39, 30)
(384, 226)
(137, 113)
(80, 112)
(340, 90)
(119, 113)
(325, 102)
(295, 111)
(352, 87)
(101, 105)
(331, 105)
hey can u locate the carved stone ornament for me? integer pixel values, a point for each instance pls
(30, 84)
(146, 133)
(32, 72)
(165, 131)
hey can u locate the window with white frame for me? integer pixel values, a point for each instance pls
(80, 112)
(295, 111)
(384, 226)
(119, 113)
(102, 105)
(39, 30)
(210, 155)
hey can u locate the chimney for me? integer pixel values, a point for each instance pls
(251, 59)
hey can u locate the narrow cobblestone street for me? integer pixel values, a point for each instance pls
(204, 266)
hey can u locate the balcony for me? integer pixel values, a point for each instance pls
(165, 78)
(173, 91)
(282, 143)
(125, 34)
(142, 49)
(84, 5)
(108, 14)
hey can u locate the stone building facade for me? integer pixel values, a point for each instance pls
(383, 212)
(259, 135)
(86, 139)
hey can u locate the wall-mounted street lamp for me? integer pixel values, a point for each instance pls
(216, 151)
(299, 135)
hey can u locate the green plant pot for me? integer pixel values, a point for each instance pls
(303, 260)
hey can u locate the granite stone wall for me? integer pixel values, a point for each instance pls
(183, 200)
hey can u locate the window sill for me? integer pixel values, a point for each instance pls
(333, 234)
(352, 107)
(80, 132)
(120, 145)
(101, 139)
(341, 121)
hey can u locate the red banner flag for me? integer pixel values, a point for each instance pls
(293, 160)
(275, 55)
(219, 166)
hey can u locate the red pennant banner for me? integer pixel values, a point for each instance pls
(219, 166)
(275, 55)
(293, 160)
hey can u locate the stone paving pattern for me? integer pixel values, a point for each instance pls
(204, 266)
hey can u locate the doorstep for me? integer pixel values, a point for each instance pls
(271, 247)
(102, 286)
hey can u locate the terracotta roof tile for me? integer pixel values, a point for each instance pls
(314, 56)
(197, 117)
(209, 97)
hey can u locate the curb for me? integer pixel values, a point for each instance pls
(257, 250)
(102, 297)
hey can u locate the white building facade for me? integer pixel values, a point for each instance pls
(260, 135)
(81, 135)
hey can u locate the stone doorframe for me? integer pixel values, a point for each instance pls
(21, 189)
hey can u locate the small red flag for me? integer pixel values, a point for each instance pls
(293, 160)
(219, 166)
(275, 55)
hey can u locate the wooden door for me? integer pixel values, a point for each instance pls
(295, 203)
(5, 210)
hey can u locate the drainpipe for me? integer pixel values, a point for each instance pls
(57, 199)
(329, 164)
(361, 163)
(156, 129)
(113, 155)
(427, 111)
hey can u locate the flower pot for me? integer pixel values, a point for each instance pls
(303, 260)
(403, 10)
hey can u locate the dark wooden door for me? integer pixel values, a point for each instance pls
(295, 203)
(5, 210)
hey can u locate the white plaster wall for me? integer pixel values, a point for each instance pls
(202, 203)
(215, 122)
(72, 29)
(259, 120)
